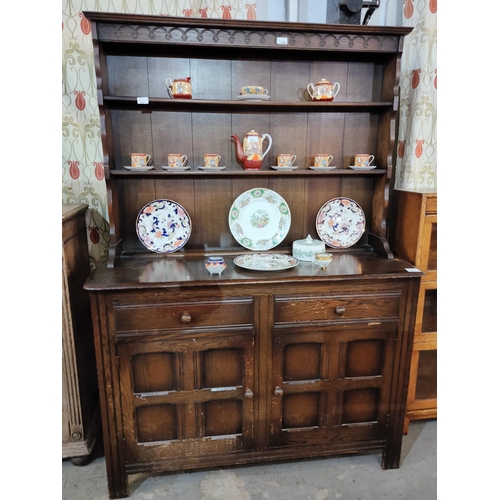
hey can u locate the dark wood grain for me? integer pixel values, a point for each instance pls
(209, 370)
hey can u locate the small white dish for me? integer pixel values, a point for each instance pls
(140, 169)
(254, 97)
(322, 168)
(213, 169)
(370, 167)
(175, 169)
(285, 169)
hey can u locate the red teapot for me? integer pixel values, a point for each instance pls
(250, 152)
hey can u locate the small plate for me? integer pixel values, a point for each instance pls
(322, 168)
(266, 261)
(175, 169)
(340, 222)
(292, 167)
(213, 169)
(254, 97)
(140, 169)
(163, 226)
(354, 167)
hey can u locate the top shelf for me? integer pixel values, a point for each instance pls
(122, 102)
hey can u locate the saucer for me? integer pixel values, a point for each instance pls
(213, 169)
(322, 168)
(140, 169)
(175, 169)
(285, 169)
(370, 167)
(254, 97)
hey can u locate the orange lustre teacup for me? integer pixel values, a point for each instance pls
(253, 90)
(321, 160)
(286, 160)
(211, 160)
(177, 160)
(139, 159)
(363, 160)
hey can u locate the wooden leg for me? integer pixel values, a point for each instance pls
(406, 426)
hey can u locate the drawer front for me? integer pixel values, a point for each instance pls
(202, 313)
(328, 309)
(431, 205)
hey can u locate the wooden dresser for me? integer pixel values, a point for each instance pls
(416, 241)
(80, 398)
(200, 370)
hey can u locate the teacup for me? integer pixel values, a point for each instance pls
(139, 159)
(322, 260)
(177, 160)
(363, 160)
(211, 160)
(286, 159)
(321, 160)
(253, 90)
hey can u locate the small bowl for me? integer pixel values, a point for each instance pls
(253, 90)
(215, 265)
(322, 260)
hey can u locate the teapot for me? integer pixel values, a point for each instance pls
(180, 88)
(250, 153)
(323, 90)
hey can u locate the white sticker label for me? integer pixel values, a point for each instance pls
(143, 100)
(282, 40)
(413, 270)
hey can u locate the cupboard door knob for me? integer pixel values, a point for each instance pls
(186, 318)
(248, 394)
(278, 391)
(340, 310)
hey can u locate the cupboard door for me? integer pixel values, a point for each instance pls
(331, 385)
(187, 396)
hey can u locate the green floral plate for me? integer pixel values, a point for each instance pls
(259, 219)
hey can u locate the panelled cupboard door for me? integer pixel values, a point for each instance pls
(331, 383)
(187, 396)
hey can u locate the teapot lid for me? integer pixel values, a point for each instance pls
(252, 132)
(324, 81)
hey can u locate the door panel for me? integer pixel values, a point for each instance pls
(173, 393)
(331, 380)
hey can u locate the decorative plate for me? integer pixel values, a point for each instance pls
(213, 169)
(140, 169)
(370, 167)
(259, 219)
(340, 222)
(254, 97)
(163, 226)
(322, 168)
(266, 261)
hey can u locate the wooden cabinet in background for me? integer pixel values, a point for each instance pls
(416, 241)
(200, 370)
(80, 397)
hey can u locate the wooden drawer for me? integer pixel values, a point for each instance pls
(333, 308)
(431, 204)
(151, 316)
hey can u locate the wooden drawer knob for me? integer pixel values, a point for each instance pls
(186, 318)
(340, 310)
(248, 394)
(278, 391)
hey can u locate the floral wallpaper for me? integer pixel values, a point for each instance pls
(82, 162)
(416, 165)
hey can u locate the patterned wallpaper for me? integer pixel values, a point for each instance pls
(82, 162)
(416, 165)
